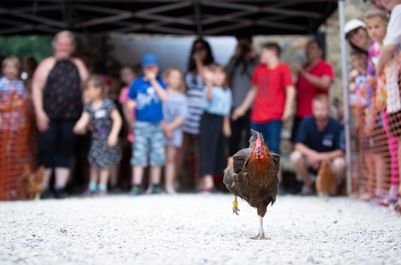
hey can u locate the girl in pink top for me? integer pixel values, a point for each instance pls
(376, 22)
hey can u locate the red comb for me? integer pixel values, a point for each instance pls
(258, 141)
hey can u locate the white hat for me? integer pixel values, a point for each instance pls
(352, 25)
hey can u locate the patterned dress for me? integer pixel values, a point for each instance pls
(100, 154)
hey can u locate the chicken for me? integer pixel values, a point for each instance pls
(326, 180)
(33, 182)
(397, 207)
(254, 177)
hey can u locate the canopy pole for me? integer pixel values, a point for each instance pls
(198, 19)
(344, 74)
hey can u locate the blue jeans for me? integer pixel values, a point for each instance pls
(271, 132)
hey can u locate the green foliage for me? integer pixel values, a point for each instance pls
(23, 46)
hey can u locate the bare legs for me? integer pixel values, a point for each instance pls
(61, 178)
(61, 174)
(99, 186)
(207, 182)
(300, 164)
(104, 176)
(301, 168)
(114, 176)
(93, 175)
(46, 178)
(155, 175)
(138, 171)
(170, 169)
(380, 173)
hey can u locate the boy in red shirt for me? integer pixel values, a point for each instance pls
(272, 96)
(314, 78)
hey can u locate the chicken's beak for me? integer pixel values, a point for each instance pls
(258, 152)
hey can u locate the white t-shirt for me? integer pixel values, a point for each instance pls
(393, 91)
(393, 36)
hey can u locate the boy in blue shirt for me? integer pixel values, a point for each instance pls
(319, 138)
(146, 95)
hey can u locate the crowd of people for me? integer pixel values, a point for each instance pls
(193, 122)
(375, 101)
(204, 114)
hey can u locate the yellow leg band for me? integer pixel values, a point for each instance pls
(235, 204)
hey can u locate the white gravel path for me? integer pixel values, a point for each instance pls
(196, 229)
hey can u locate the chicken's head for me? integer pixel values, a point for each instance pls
(259, 148)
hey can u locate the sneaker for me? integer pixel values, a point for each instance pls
(46, 194)
(136, 190)
(171, 190)
(157, 190)
(88, 193)
(388, 200)
(101, 193)
(60, 194)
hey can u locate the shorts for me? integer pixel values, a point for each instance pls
(57, 144)
(176, 140)
(395, 123)
(148, 147)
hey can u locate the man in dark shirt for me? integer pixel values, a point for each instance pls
(319, 138)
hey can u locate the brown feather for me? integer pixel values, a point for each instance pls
(33, 182)
(326, 180)
(257, 180)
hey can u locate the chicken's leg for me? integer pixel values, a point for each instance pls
(235, 206)
(261, 234)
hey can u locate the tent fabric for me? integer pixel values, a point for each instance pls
(180, 17)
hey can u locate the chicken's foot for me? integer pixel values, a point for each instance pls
(261, 234)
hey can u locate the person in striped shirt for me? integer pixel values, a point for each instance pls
(200, 56)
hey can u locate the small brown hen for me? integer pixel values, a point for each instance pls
(254, 177)
(397, 207)
(326, 181)
(33, 182)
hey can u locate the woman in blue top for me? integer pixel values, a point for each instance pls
(214, 126)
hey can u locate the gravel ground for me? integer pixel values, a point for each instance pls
(197, 229)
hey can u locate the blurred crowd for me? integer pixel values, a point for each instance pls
(375, 101)
(147, 131)
(183, 127)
